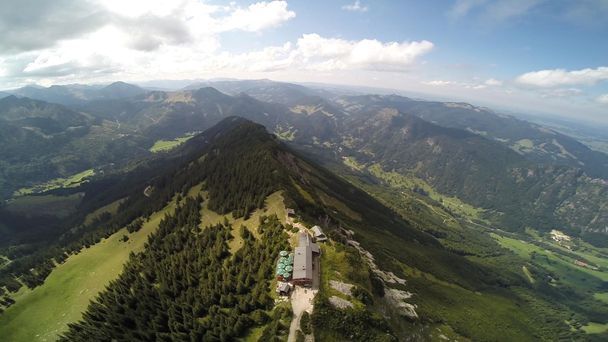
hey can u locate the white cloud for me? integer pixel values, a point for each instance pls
(561, 92)
(331, 53)
(493, 82)
(439, 83)
(355, 7)
(464, 85)
(314, 52)
(602, 99)
(139, 38)
(109, 54)
(561, 77)
(258, 16)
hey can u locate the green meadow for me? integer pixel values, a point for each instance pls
(557, 262)
(410, 182)
(167, 145)
(595, 328)
(57, 183)
(43, 313)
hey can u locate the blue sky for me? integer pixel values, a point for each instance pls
(542, 56)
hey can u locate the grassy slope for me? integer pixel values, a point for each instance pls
(67, 182)
(595, 328)
(110, 208)
(274, 206)
(41, 314)
(167, 145)
(602, 297)
(563, 265)
(559, 263)
(447, 302)
(398, 181)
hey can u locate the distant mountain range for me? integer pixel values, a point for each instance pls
(522, 174)
(77, 93)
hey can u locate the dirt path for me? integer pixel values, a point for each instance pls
(301, 300)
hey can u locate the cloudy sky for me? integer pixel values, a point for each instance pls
(543, 56)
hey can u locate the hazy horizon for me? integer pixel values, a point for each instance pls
(531, 56)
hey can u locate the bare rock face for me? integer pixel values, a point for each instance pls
(340, 303)
(397, 298)
(342, 287)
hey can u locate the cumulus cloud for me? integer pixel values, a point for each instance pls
(561, 92)
(439, 83)
(147, 39)
(314, 52)
(562, 77)
(355, 7)
(331, 53)
(602, 99)
(30, 24)
(72, 40)
(493, 82)
(258, 16)
(465, 85)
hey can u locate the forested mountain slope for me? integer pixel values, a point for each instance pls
(533, 141)
(189, 284)
(42, 141)
(479, 171)
(553, 192)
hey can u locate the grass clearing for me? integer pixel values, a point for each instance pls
(111, 209)
(302, 192)
(167, 145)
(57, 183)
(556, 262)
(43, 313)
(274, 205)
(601, 296)
(595, 328)
(288, 133)
(410, 182)
(352, 163)
(338, 205)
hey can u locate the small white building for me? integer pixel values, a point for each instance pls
(283, 289)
